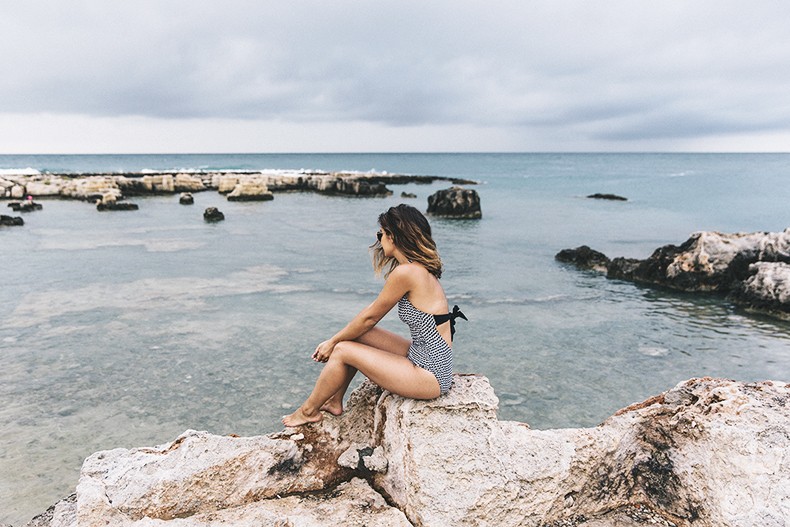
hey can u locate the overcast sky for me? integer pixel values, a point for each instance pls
(109, 76)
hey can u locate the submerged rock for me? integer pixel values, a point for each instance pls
(11, 221)
(409, 195)
(709, 452)
(27, 205)
(455, 202)
(610, 197)
(186, 199)
(212, 215)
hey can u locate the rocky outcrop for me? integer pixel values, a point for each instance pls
(709, 452)
(767, 289)
(584, 258)
(90, 187)
(250, 190)
(455, 202)
(186, 198)
(11, 221)
(706, 262)
(213, 215)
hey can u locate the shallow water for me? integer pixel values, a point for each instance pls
(125, 329)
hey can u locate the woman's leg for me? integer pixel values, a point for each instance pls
(389, 370)
(377, 338)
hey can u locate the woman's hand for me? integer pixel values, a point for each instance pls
(323, 351)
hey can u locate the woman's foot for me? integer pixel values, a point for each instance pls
(333, 407)
(299, 418)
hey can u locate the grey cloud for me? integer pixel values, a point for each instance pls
(618, 70)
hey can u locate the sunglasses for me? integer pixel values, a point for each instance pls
(379, 235)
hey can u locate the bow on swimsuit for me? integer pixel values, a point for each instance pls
(428, 348)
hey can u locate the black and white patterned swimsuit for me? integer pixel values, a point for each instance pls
(428, 348)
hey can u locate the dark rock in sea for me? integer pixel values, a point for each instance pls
(186, 199)
(584, 258)
(753, 269)
(408, 195)
(25, 206)
(212, 214)
(455, 202)
(11, 221)
(115, 205)
(612, 197)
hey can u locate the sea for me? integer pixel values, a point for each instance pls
(124, 329)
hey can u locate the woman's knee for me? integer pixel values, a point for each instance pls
(342, 352)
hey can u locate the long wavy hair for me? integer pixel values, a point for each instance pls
(411, 233)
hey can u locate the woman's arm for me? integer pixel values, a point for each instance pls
(398, 284)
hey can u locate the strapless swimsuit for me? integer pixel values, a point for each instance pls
(428, 348)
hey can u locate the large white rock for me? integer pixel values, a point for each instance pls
(711, 253)
(709, 452)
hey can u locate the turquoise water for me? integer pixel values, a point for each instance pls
(125, 329)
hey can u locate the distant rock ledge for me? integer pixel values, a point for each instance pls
(709, 452)
(751, 269)
(238, 185)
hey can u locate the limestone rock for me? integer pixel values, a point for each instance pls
(213, 215)
(188, 183)
(709, 452)
(250, 190)
(91, 188)
(706, 262)
(45, 186)
(766, 290)
(455, 202)
(186, 199)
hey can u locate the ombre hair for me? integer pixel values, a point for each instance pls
(411, 233)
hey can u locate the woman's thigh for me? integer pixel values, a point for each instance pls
(385, 340)
(392, 372)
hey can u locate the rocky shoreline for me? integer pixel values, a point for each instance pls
(239, 185)
(751, 269)
(708, 452)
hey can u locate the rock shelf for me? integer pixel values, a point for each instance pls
(708, 452)
(238, 185)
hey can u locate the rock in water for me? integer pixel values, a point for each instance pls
(766, 290)
(731, 264)
(610, 197)
(212, 215)
(455, 202)
(186, 199)
(408, 195)
(584, 258)
(11, 221)
(250, 190)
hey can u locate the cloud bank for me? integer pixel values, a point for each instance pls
(349, 75)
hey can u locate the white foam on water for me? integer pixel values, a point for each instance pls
(19, 172)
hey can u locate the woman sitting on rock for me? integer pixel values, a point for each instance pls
(420, 368)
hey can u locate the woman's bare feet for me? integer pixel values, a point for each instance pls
(299, 418)
(333, 407)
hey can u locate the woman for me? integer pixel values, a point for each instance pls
(420, 368)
